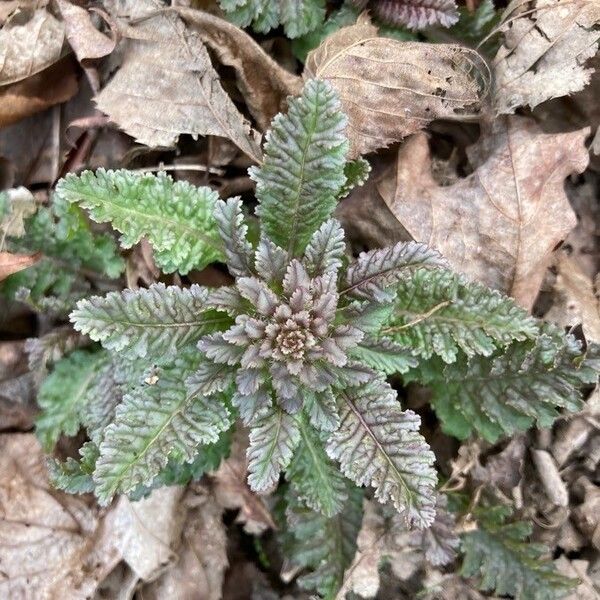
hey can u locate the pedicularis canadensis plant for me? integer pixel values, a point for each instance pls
(298, 348)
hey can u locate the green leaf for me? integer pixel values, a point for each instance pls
(273, 437)
(326, 249)
(297, 16)
(233, 231)
(356, 172)
(72, 476)
(154, 321)
(505, 563)
(303, 169)
(324, 546)
(66, 394)
(511, 391)
(385, 356)
(314, 478)
(176, 217)
(72, 255)
(374, 273)
(153, 422)
(439, 312)
(378, 444)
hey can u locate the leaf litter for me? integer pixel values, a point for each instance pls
(481, 146)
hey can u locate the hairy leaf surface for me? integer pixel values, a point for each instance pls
(175, 216)
(378, 444)
(153, 321)
(303, 169)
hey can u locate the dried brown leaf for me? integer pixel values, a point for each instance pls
(575, 299)
(167, 86)
(264, 84)
(52, 545)
(546, 45)
(202, 557)
(500, 224)
(231, 489)
(26, 48)
(84, 38)
(13, 263)
(390, 89)
(54, 85)
(22, 205)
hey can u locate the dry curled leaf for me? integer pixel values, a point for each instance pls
(545, 48)
(13, 263)
(167, 86)
(500, 224)
(264, 84)
(28, 47)
(390, 89)
(52, 545)
(85, 39)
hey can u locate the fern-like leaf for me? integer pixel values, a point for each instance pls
(154, 321)
(298, 17)
(373, 274)
(513, 390)
(505, 563)
(385, 356)
(75, 476)
(271, 261)
(378, 444)
(176, 217)
(437, 311)
(324, 546)
(66, 394)
(233, 231)
(357, 172)
(156, 421)
(326, 249)
(303, 169)
(314, 478)
(273, 437)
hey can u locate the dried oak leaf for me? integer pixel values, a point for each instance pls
(264, 84)
(545, 48)
(167, 86)
(500, 224)
(29, 46)
(390, 89)
(52, 545)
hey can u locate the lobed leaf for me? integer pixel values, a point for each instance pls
(154, 422)
(175, 216)
(326, 249)
(303, 169)
(154, 321)
(378, 444)
(274, 436)
(440, 312)
(375, 271)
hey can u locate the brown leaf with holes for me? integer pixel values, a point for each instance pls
(500, 224)
(264, 84)
(390, 89)
(29, 46)
(13, 263)
(167, 86)
(544, 52)
(52, 545)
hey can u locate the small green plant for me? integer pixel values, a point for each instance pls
(298, 348)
